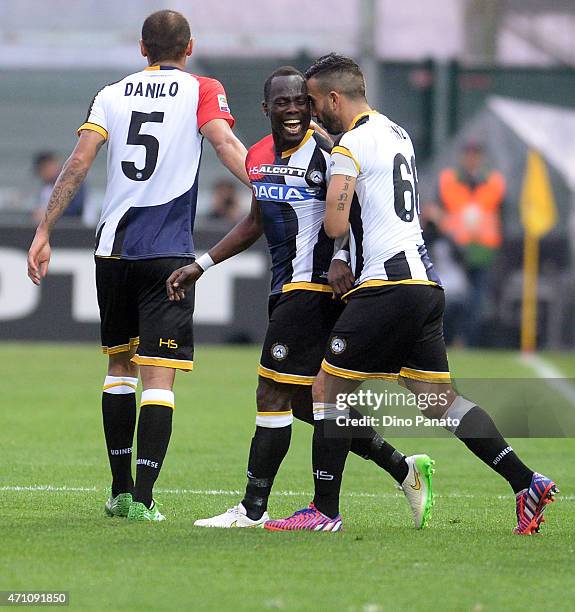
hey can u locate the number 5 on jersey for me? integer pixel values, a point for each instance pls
(146, 140)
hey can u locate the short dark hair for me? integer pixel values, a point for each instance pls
(165, 35)
(338, 73)
(283, 71)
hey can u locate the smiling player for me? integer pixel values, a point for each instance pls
(288, 172)
(392, 326)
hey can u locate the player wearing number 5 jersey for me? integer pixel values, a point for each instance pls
(392, 326)
(153, 122)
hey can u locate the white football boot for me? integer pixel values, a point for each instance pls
(418, 489)
(234, 517)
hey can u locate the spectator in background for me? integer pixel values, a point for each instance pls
(47, 167)
(225, 204)
(471, 196)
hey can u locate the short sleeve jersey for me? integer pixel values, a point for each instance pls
(290, 187)
(152, 121)
(386, 242)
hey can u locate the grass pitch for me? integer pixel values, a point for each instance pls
(54, 535)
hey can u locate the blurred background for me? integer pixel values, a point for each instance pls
(485, 88)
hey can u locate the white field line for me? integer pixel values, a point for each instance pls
(554, 377)
(235, 492)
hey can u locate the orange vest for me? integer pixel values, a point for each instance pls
(472, 215)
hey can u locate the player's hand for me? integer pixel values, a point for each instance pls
(39, 256)
(181, 280)
(317, 128)
(340, 278)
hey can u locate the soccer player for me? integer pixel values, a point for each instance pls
(391, 327)
(288, 172)
(153, 122)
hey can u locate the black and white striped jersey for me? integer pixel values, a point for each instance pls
(290, 187)
(386, 242)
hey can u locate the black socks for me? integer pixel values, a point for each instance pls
(119, 419)
(269, 446)
(479, 433)
(154, 431)
(331, 444)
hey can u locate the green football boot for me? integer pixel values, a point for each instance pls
(418, 488)
(139, 512)
(119, 505)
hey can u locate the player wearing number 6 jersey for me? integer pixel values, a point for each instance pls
(392, 327)
(288, 170)
(153, 122)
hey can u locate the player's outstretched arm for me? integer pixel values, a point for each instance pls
(73, 173)
(238, 239)
(228, 147)
(338, 203)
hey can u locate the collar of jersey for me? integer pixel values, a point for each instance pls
(359, 116)
(291, 151)
(162, 68)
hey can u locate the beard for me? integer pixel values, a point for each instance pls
(332, 123)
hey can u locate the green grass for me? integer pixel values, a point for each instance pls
(467, 560)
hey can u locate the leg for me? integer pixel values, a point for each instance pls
(369, 340)
(119, 333)
(270, 443)
(331, 441)
(166, 344)
(365, 443)
(476, 429)
(268, 448)
(119, 419)
(154, 429)
(427, 373)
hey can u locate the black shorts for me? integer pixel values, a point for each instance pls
(135, 312)
(390, 330)
(297, 335)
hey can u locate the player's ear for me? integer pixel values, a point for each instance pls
(334, 99)
(265, 108)
(143, 49)
(190, 47)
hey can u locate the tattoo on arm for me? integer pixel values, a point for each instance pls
(343, 195)
(65, 189)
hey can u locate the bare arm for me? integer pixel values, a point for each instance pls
(340, 276)
(73, 173)
(238, 239)
(229, 149)
(338, 203)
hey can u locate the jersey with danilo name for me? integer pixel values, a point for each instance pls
(386, 242)
(290, 187)
(152, 121)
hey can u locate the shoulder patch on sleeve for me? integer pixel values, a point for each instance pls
(223, 103)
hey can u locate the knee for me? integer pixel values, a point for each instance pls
(318, 388)
(432, 412)
(272, 396)
(435, 404)
(120, 365)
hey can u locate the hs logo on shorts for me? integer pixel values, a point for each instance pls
(338, 345)
(279, 351)
(169, 343)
